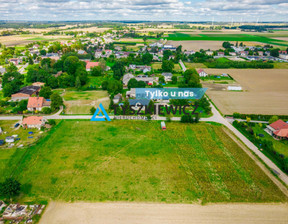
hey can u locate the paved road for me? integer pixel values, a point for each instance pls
(182, 66)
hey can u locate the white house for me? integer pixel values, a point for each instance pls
(167, 76)
(202, 73)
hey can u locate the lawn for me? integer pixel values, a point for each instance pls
(80, 102)
(280, 65)
(194, 65)
(158, 65)
(136, 161)
(96, 81)
(84, 95)
(226, 37)
(280, 146)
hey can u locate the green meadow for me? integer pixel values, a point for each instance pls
(137, 161)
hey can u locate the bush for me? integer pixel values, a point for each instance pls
(46, 110)
(51, 122)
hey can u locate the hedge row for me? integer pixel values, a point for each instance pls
(258, 117)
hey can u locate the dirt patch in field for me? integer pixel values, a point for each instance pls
(126, 213)
(281, 38)
(264, 91)
(197, 45)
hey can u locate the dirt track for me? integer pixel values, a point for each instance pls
(126, 213)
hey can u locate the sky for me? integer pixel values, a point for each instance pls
(150, 10)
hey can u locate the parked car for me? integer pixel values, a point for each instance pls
(16, 125)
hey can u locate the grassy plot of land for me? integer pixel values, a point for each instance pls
(158, 65)
(84, 95)
(80, 102)
(136, 161)
(194, 65)
(96, 81)
(280, 146)
(280, 65)
(226, 37)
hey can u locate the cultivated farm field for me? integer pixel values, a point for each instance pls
(137, 161)
(264, 91)
(197, 45)
(226, 37)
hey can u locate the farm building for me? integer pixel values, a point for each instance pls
(278, 129)
(25, 93)
(33, 122)
(37, 103)
(202, 73)
(234, 88)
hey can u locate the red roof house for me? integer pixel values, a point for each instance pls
(37, 103)
(278, 129)
(33, 122)
(90, 64)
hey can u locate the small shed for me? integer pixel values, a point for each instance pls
(234, 88)
(9, 139)
(163, 126)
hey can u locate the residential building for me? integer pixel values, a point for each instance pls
(90, 65)
(117, 98)
(126, 78)
(146, 79)
(33, 122)
(82, 52)
(2, 70)
(221, 54)
(15, 61)
(278, 129)
(202, 73)
(167, 76)
(37, 103)
(131, 93)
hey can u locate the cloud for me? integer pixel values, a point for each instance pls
(165, 10)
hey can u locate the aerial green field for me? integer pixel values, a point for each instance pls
(137, 161)
(80, 102)
(226, 37)
(158, 65)
(84, 95)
